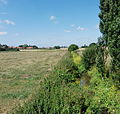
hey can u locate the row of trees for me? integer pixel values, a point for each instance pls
(26, 46)
(7, 48)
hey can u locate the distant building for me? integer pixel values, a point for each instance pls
(30, 47)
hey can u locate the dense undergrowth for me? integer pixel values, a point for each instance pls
(62, 93)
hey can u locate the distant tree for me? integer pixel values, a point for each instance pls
(84, 46)
(25, 46)
(92, 44)
(73, 47)
(35, 47)
(56, 47)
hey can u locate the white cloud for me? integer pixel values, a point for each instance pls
(3, 33)
(73, 25)
(52, 18)
(68, 31)
(8, 22)
(81, 28)
(3, 1)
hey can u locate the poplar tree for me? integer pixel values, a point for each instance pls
(110, 28)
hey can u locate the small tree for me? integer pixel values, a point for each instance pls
(89, 57)
(73, 47)
(56, 47)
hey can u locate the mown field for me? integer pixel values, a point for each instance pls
(21, 74)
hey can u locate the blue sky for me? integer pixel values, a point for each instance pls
(49, 22)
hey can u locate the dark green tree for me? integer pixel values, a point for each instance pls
(110, 28)
(73, 47)
(56, 47)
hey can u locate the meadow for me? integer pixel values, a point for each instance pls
(21, 74)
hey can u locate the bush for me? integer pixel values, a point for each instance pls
(72, 47)
(89, 57)
(68, 70)
(102, 97)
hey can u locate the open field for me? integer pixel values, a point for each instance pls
(21, 73)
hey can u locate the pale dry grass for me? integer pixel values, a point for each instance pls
(21, 72)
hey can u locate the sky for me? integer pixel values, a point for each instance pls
(49, 22)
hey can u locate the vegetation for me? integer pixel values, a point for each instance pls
(26, 46)
(110, 28)
(7, 48)
(64, 92)
(57, 47)
(85, 82)
(72, 47)
(21, 73)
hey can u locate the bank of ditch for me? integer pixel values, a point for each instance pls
(71, 89)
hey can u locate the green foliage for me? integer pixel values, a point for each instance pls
(57, 95)
(92, 44)
(76, 58)
(110, 27)
(56, 47)
(67, 69)
(72, 47)
(78, 61)
(100, 62)
(7, 48)
(26, 45)
(101, 96)
(89, 57)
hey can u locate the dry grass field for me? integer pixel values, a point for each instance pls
(21, 73)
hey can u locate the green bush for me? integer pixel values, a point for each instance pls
(67, 69)
(72, 47)
(102, 96)
(89, 57)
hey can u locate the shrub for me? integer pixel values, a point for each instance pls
(101, 96)
(89, 57)
(68, 70)
(72, 47)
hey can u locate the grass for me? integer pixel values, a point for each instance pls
(57, 94)
(21, 74)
